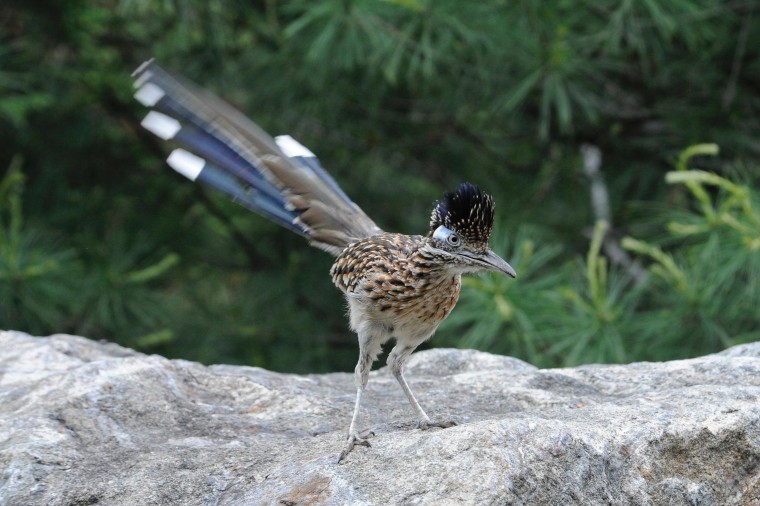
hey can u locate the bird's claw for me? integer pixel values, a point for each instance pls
(354, 440)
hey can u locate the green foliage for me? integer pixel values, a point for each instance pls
(563, 315)
(594, 316)
(698, 297)
(709, 285)
(402, 100)
(119, 291)
(36, 289)
(45, 284)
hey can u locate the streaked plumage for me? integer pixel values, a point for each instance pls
(401, 279)
(397, 286)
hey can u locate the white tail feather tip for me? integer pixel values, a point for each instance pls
(186, 163)
(161, 125)
(292, 147)
(149, 94)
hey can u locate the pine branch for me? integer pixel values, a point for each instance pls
(600, 203)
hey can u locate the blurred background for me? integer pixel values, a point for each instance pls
(620, 138)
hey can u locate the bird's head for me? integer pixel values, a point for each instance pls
(460, 226)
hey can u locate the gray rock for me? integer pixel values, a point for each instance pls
(83, 422)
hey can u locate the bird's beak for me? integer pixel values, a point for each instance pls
(498, 264)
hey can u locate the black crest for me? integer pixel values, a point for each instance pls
(467, 211)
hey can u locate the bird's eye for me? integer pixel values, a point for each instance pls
(448, 236)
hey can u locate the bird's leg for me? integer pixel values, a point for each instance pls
(353, 436)
(396, 360)
(369, 347)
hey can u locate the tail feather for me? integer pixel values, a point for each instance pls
(278, 178)
(303, 157)
(198, 169)
(209, 148)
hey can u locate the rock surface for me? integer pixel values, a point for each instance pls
(83, 423)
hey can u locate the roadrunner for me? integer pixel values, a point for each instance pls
(397, 286)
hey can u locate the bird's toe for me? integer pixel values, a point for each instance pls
(353, 441)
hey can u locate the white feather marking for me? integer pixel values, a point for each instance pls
(186, 163)
(292, 147)
(142, 78)
(149, 94)
(161, 125)
(298, 221)
(142, 67)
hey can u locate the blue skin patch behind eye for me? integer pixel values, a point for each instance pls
(442, 233)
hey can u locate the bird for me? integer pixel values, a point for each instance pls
(397, 287)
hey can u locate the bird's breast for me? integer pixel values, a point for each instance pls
(395, 282)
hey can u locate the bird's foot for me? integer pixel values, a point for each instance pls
(444, 424)
(354, 440)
